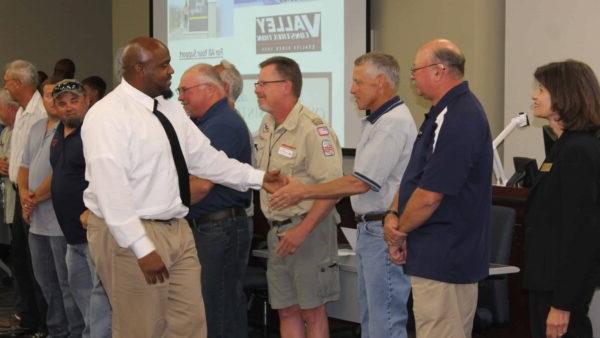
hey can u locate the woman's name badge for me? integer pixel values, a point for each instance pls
(545, 168)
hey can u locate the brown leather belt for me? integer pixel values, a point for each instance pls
(218, 216)
(369, 217)
(159, 220)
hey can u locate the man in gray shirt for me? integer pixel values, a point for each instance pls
(382, 155)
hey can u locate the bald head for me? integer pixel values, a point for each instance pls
(206, 73)
(438, 67)
(146, 66)
(447, 53)
(200, 88)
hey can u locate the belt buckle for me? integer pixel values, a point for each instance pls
(361, 218)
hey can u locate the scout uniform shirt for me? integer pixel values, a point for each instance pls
(303, 147)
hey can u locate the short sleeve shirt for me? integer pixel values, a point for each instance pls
(228, 132)
(382, 155)
(68, 183)
(36, 157)
(303, 147)
(452, 155)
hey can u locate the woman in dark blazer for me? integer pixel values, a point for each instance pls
(562, 241)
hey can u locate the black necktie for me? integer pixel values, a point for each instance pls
(182, 171)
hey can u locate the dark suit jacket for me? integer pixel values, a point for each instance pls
(562, 240)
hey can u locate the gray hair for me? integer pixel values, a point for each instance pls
(6, 99)
(24, 71)
(233, 78)
(381, 63)
(453, 59)
(206, 73)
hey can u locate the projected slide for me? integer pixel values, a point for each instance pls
(246, 32)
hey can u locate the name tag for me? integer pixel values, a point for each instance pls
(286, 151)
(545, 168)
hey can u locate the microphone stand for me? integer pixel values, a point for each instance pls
(519, 121)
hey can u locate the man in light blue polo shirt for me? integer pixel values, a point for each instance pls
(382, 155)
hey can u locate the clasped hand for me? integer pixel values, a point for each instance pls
(273, 181)
(395, 239)
(290, 194)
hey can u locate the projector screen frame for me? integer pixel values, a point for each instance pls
(346, 151)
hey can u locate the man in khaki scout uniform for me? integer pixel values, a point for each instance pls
(302, 270)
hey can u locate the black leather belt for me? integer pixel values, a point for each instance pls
(369, 217)
(220, 215)
(281, 223)
(286, 221)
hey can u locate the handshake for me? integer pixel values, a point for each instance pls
(286, 190)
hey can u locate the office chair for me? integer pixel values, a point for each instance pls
(492, 307)
(256, 289)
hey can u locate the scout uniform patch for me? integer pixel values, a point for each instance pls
(328, 149)
(323, 131)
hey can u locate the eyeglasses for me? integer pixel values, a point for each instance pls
(413, 69)
(182, 90)
(264, 83)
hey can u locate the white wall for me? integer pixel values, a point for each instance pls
(538, 32)
(43, 32)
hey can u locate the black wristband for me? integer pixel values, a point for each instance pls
(393, 212)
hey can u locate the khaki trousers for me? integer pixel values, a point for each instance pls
(443, 309)
(171, 309)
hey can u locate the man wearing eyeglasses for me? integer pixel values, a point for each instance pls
(221, 228)
(382, 155)
(444, 199)
(302, 271)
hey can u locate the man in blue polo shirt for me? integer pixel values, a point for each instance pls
(220, 225)
(68, 184)
(445, 197)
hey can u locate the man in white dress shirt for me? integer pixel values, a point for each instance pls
(20, 81)
(136, 231)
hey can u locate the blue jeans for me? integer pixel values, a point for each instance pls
(63, 318)
(382, 286)
(88, 292)
(223, 249)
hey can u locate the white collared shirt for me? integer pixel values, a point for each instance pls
(24, 119)
(130, 167)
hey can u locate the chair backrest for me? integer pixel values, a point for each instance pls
(501, 233)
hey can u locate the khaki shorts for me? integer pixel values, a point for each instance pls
(309, 277)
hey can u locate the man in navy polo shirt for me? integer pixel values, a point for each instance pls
(221, 228)
(445, 197)
(67, 186)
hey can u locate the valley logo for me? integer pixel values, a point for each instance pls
(288, 33)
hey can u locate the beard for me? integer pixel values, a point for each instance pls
(73, 123)
(167, 94)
